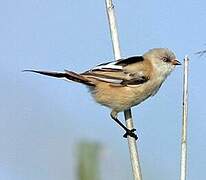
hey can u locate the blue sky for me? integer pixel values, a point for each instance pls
(43, 118)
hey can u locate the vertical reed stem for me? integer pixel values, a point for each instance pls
(183, 170)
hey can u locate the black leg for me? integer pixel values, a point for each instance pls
(128, 131)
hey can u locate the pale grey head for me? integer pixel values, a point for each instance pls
(163, 59)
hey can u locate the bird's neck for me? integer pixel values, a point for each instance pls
(161, 72)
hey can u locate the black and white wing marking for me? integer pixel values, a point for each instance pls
(117, 65)
(130, 60)
(110, 66)
(115, 73)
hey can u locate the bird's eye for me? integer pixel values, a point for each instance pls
(165, 59)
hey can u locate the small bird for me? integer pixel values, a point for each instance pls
(124, 83)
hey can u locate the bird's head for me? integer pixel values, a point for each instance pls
(162, 59)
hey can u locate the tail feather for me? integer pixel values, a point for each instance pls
(67, 74)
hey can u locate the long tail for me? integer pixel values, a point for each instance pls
(69, 75)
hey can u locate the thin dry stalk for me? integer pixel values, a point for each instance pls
(128, 116)
(183, 170)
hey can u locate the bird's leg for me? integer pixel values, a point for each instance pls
(129, 132)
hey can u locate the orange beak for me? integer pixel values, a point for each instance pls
(175, 62)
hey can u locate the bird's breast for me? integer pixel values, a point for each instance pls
(144, 91)
(124, 97)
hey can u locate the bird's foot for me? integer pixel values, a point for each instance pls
(130, 133)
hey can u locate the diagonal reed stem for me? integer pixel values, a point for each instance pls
(128, 115)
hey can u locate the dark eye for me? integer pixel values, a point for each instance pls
(165, 59)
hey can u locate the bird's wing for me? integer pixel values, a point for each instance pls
(135, 80)
(119, 72)
(117, 65)
(130, 60)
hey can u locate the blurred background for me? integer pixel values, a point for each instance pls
(46, 123)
